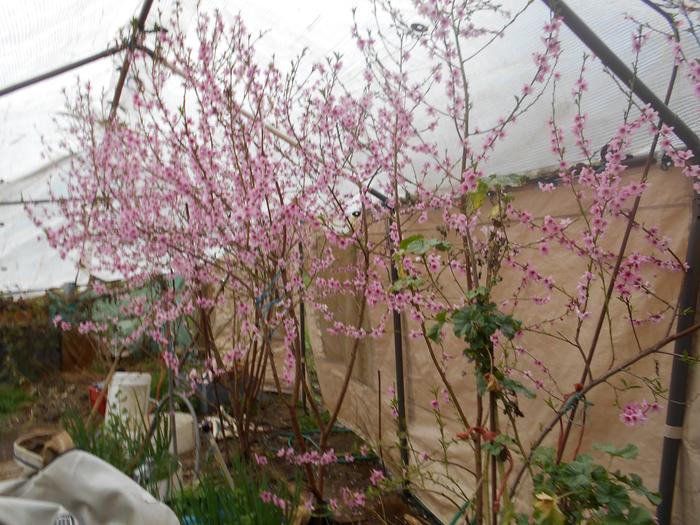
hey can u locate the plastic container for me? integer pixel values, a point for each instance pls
(94, 392)
(184, 428)
(27, 449)
(127, 398)
(164, 487)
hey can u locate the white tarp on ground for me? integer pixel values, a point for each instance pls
(39, 35)
(80, 486)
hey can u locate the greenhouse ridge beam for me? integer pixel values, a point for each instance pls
(610, 60)
(61, 70)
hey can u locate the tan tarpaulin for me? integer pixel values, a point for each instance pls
(667, 205)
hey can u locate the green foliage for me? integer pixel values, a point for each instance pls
(417, 245)
(12, 399)
(478, 197)
(478, 321)
(496, 446)
(212, 502)
(582, 491)
(434, 331)
(308, 422)
(126, 448)
(629, 451)
(517, 387)
(411, 283)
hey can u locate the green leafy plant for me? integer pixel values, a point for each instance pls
(253, 500)
(582, 491)
(12, 399)
(126, 448)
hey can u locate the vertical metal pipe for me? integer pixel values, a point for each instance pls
(302, 332)
(171, 409)
(398, 346)
(398, 358)
(675, 414)
(171, 390)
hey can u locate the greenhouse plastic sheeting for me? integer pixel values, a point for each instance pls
(670, 210)
(40, 35)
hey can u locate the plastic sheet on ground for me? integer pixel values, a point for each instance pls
(80, 486)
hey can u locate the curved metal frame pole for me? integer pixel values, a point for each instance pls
(195, 424)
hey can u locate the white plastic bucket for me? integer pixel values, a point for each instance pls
(127, 398)
(184, 428)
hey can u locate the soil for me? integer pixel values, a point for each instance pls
(391, 508)
(52, 396)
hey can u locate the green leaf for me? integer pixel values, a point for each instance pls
(480, 383)
(640, 516)
(442, 246)
(416, 244)
(637, 485)
(626, 385)
(408, 240)
(613, 496)
(547, 511)
(517, 387)
(629, 451)
(406, 282)
(577, 475)
(477, 198)
(433, 332)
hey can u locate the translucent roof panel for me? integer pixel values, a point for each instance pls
(37, 36)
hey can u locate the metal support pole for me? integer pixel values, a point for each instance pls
(302, 332)
(171, 390)
(60, 70)
(133, 43)
(398, 358)
(398, 348)
(675, 414)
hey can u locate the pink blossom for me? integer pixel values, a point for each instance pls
(376, 476)
(636, 413)
(171, 361)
